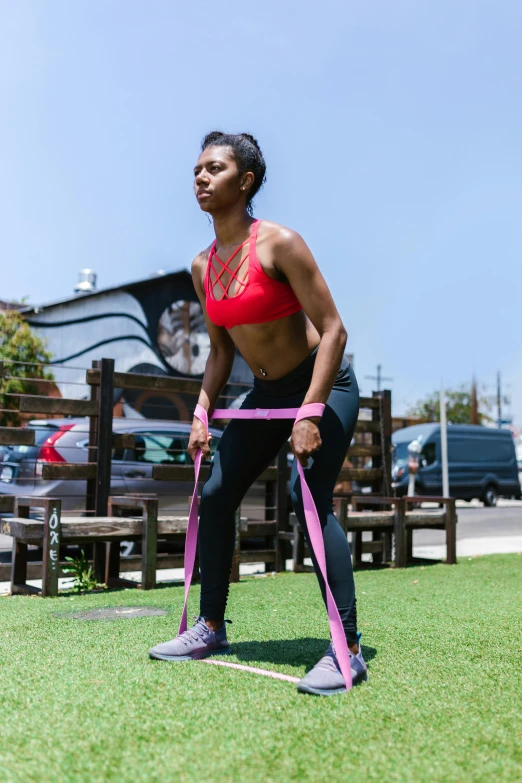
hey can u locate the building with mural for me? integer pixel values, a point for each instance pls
(155, 325)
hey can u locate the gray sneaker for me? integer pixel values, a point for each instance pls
(195, 643)
(325, 679)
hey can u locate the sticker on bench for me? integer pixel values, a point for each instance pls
(54, 538)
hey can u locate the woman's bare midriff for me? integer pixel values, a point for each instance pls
(274, 349)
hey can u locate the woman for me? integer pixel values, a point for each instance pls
(271, 302)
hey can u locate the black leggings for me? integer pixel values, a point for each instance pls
(245, 450)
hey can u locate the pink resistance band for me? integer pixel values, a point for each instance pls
(312, 522)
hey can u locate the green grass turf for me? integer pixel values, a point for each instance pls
(81, 701)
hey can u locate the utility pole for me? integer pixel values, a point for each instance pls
(499, 400)
(444, 443)
(474, 402)
(379, 378)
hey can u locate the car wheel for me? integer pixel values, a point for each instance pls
(490, 496)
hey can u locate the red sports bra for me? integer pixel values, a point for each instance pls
(259, 298)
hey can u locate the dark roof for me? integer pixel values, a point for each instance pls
(168, 276)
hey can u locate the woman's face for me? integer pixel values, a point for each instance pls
(217, 181)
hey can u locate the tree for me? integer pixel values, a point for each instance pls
(459, 407)
(24, 357)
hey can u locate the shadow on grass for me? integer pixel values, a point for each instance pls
(413, 563)
(293, 652)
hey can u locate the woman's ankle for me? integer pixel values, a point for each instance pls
(214, 625)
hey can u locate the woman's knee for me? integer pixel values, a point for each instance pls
(216, 497)
(322, 496)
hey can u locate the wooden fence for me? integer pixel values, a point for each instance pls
(368, 459)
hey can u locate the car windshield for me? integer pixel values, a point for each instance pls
(400, 453)
(163, 447)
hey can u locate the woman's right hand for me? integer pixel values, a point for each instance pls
(199, 439)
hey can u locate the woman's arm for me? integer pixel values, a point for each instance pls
(293, 258)
(217, 368)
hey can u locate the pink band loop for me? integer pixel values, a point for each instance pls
(312, 522)
(311, 409)
(201, 414)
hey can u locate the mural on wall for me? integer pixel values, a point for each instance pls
(152, 326)
(183, 338)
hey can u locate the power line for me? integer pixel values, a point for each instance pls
(379, 378)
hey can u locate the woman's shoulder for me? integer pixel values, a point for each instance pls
(279, 236)
(199, 268)
(200, 261)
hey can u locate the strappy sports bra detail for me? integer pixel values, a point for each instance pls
(258, 298)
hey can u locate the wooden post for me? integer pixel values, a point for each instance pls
(298, 544)
(18, 566)
(409, 546)
(51, 547)
(400, 534)
(234, 571)
(149, 543)
(387, 430)
(386, 546)
(112, 560)
(343, 514)
(281, 502)
(92, 454)
(104, 457)
(270, 516)
(377, 462)
(298, 547)
(19, 557)
(357, 548)
(451, 533)
(112, 563)
(270, 500)
(148, 505)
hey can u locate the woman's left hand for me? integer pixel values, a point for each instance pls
(305, 440)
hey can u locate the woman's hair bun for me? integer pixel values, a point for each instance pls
(211, 138)
(251, 139)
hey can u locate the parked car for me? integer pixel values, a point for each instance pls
(481, 462)
(157, 442)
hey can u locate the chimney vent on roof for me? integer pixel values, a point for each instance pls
(86, 282)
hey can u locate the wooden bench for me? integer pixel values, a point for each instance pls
(382, 522)
(444, 518)
(369, 458)
(169, 528)
(397, 519)
(270, 541)
(256, 537)
(55, 530)
(130, 518)
(394, 522)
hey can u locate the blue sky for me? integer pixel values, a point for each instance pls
(392, 133)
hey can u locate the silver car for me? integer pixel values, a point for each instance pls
(157, 442)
